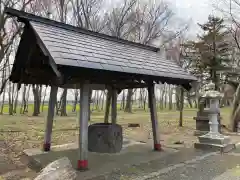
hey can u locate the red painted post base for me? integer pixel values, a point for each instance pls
(157, 147)
(46, 147)
(82, 165)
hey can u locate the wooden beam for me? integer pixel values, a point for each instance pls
(50, 116)
(154, 118)
(83, 121)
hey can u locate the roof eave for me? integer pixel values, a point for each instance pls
(26, 17)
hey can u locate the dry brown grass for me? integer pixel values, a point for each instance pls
(27, 132)
(22, 132)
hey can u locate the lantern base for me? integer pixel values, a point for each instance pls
(215, 147)
(214, 141)
(214, 138)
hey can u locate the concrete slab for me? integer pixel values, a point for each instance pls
(99, 164)
(223, 148)
(151, 169)
(209, 168)
(200, 133)
(232, 174)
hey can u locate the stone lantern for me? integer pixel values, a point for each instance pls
(202, 118)
(213, 139)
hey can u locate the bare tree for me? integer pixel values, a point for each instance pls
(9, 30)
(44, 97)
(231, 11)
(87, 14)
(37, 91)
(76, 94)
(144, 22)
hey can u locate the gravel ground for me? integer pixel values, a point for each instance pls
(187, 164)
(10, 166)
(206, 169)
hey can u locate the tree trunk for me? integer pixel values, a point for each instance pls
(10, 98)
(170, 106)
(181, 106)
(63, 107)
(123, 101)
(37, 99)
(141, 99)
(75, 101)
(44, 97)
(235, 117)
(135, 97)
(4, 90)
(177, 97)
(15, 103)
(23, 99)
(25, 107)
(97, 100)
(165, 96)
(107, 109)
(128, 107)
(189, 100)
(102, 101)
(162, 98)
(145, 99)
(89, 105)
(3, 101)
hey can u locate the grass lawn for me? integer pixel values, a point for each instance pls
(25, 131)
(21, 132)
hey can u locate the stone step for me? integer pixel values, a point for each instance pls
(203, 169)
(211, 140)
(223, 148)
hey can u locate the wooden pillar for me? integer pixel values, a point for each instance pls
(108, 103)
(50, 116)
(154, 119)
(83, 121)
(114, 106)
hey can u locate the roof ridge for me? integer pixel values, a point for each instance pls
(25, 17)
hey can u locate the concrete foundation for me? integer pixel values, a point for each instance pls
(215, 147)
(200, 133)
(132, 153)
(216, 142)
(105, 138)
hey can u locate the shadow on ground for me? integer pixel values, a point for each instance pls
(99, 164)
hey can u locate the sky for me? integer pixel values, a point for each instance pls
(196, 11)
(193, 11)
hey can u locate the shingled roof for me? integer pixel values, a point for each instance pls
(70, 49)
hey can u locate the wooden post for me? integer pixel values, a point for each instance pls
(154, 119)
(114, 106)
(181, 107)
(107, 109)
(50, 116)
(83, 121)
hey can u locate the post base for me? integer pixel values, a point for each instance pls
(214, 141)
(215, 147)
(214, 138)
(157, 147)
(200, 133)
(82, 165)
(46, 147)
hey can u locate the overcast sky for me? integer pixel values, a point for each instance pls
(196, 11)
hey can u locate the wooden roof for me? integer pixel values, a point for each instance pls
(51, 52)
